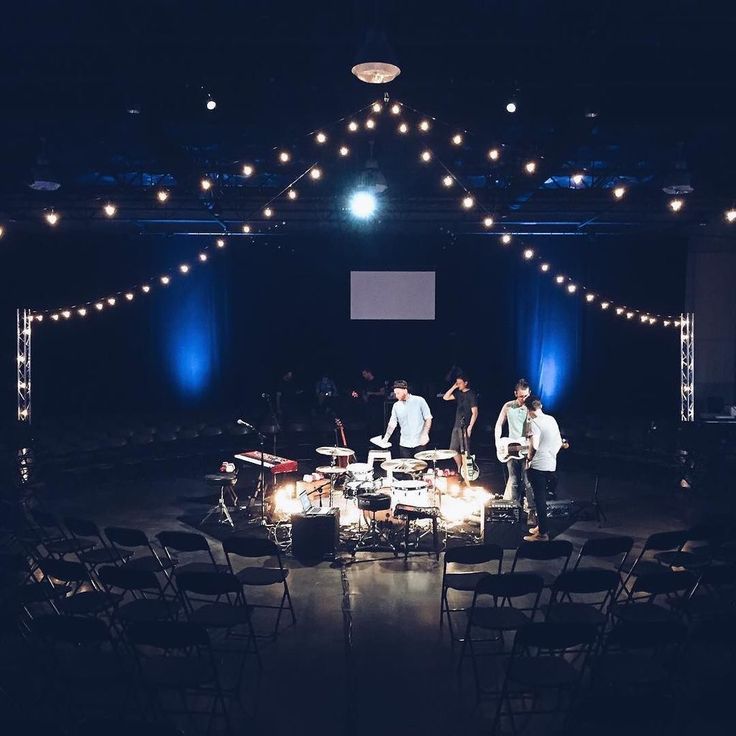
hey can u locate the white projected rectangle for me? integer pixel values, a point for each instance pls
(392, 295)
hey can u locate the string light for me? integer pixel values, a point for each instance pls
(505, 238)
(644, 318)
(52, 218)
(39, 318)
(403, 128)
(145, 288)
(220, 243)
(184, 268)
(291, 194)
(111, 301)
(511, 107)
(268, 212)
(494, 154)
(572, 288)
(344, 150)
(652, 320)
(544, 267)
(315, 173)
(577, 179)
(55, 317)
(629, 315)
(447, 180)
(424, 126)
(488, 221)
(129, 296)
(284, 157)
(528, 254)
(66, 314)
(321, 137)
(589, 297)
(205, 184)
(530, 167)
(666, 323)
(426, 156)
(730, 215)
(99, 306)
(605, 305)
(352, 126)
(247, 170)
(165, 280)
(619, 192)
(619, 311)
(370, 123)
(395, 108)
(676, 204)
(2, 231)
(457, 139)
(376, 107)
(560, 279)
(468, 202)
(82, 312)
(162, 195)
(203, 257)
(110, 209)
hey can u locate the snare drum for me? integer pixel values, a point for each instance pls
(359, 472)
(410, 492)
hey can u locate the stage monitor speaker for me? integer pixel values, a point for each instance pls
(503, 524)
(315, 537)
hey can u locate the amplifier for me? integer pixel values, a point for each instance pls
(556, 509)
(501, 523)
(315, 537)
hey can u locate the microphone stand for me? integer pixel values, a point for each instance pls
(275, 419)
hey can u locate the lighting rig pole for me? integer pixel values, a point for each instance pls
(687, 367)
(23, 354)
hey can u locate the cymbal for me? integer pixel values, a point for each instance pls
(335, 451)
(433, 455)
(330, 470)
(404, 466)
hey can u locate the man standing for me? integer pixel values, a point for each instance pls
(413, 416)
(515, 414)
(466, 415)
(372, 393)
(546, 441)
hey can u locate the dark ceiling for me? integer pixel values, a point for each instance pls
(658, 73)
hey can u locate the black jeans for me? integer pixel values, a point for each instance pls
(539, 480)
(405, 452)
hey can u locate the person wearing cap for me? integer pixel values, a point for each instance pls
(412, 415)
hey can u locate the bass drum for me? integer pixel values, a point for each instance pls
(411, 493)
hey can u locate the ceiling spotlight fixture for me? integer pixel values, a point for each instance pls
(110, 209)
(352, 126)
(162, 195)
(530, 167)
(247, 170)
(321, 137)
(284, 157)
(457, 139)
(315, 173)
(468, 202)
(206, 185)
(376, 62)
(246, 229)
(426, 156)
(676, 204)
(291, 194)
(494, 154)
(488, 222)
(403, 128)
(424, 126)
(506, 239)
(376, 107)
(52, 218)
(528, 254)
(363, 204)
(619, 192)
(370, 123)
(344, 150)
(447, 180)
(395, 108)
(511, 107)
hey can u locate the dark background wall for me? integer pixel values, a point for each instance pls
(222, 335)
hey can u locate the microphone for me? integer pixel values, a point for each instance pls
(265, 396)
(245, 424)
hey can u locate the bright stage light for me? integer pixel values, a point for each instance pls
(247, 170)
(110, 209)
(162, 195)
(211, 104)
(493, 154)
(321, 137)
(447, 181)
(457, 139)
(730, 215)
(506, 239)
(511, 107)
(363, 205)
(619, 192)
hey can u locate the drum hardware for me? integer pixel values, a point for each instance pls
(333, 470)
(226, 481)
(433, 456)
(404, 466)
(374, 536)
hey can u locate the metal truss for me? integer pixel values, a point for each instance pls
(687, 367)
(23, 356)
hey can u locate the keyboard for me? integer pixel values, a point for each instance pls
(275, 463)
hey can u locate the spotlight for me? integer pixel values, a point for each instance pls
(66, 314)
(220, 243)
(544, 267)
(395, 108)
(506, 239)
(315, 173)
(247, 170)
(619, 192)
(370, 123)
(344, 150)
(363, 205)
(162, 195)
(572, 288)
(426, 156)
(403, 128)
(246, 229)
(530, 167)
(145, 288)
(424, 126)
(589, 297)
(577, 179)
(321, 137)
(511, 107)
(206, 185)
(352, 126)
(560, 279)
(468, 202)
(284, 157)
(605, 305)
(184, 268)
(291, 194)
(165, 280)
(111, 301)
(488, 222)
(2, 231)
(129, 296)
(730, 215)
(203, 257)
(457, 139)
(99, 306)
(676, 204)
(52, 218)
(210, 104)
(268, 212)
(110, 210)
(528, 254)
(494, 154)
(376, 107)
(447, 181)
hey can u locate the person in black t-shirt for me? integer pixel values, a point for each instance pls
(466, 416)
(372, 393)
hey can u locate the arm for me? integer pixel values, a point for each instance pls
(392, 422)
(473, 419)
(450, 393)
(499, 424)
(427, 416)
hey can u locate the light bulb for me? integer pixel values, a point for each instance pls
(344, 150)
(162, 195)
(376, 107)
(370, 123)
(66, 314)
(676, 204)
(202, 257)
(220, 243)
(268, 212)
(644, 318)
(730, 215)
(315, 173)
(457, 139)
(528, 254)
(577, 179)
(403, 128)
(2, 231)
(560, 279)
(145, 288)
(666, 323)
(605, 305)
(55, 317)
(111, 301)
(52, 218)
(572, 288)
(247, 170)
(468, 202)
(589, 297)
(424, 126)
(544, 267)
(506, 239)
(39, 318)
(619, 192)
(395, 109)
(99, 306)
(619, 310)
(447, 181)
(488, 221)
(629, 315)
(82, 312)
(511, 107)
(165, 280)
(530, 167)
(205, 184)
(184, 268)
(284, 157)
(211, 104)
(426, 156)
(246, 228)
(110, 210)
(321, 137)
(494, 154)
(291, 194)
(352, 126)
(129, 296)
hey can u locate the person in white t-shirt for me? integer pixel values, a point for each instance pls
(411, 413)
(545, 441)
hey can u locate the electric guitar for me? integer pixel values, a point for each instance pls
(470, 470)
(512, 448)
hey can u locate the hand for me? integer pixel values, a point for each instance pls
(424, 438)
(469, 431)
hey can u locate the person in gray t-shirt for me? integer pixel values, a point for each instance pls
(412, 415)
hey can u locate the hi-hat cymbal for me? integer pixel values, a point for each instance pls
(331, 470)
(335, 451)
(404, 466)
(433, 455)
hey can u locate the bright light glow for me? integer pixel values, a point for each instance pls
(145, 288)
(403, 128)
(528, 254)
(165, 280)
(206, 185)
(530, 167)
(284, 157)
(39, 318)
(321, 137)
(457, 139)
(52, 218)
(494, 154)
(246, 229)
(352, 126)
(363, 205)
(605, 305)
(676, 204)
(291, 194)
(468, 202)
(55, 317)
(211, 104)
(426, 156)
(644, 318)
(268, 212)
(162, 195)
(560, 279)
(677, 323)
(629, 315)
(577, 179)
(370, 123)
(652, 321)
(2, 231)
(247, 170)
(619, 310)
(424, 126)
(395, 109)
(730, 216)
(447, 180)
(99, 306)
(506, 239)
(202, 257)
(21, 359)
(488, 221)
(619, 192)
(666, 323)
(589, 297)
(511, 107)
(66, 314)
(315, 173)
(82, 312)
(220, 243)
(111, 301)
(572, 288)
(344, 150)
(544, 267)
(184, 268)
(110, 209)
(129, 296)
(285, 500)
(377, 107)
